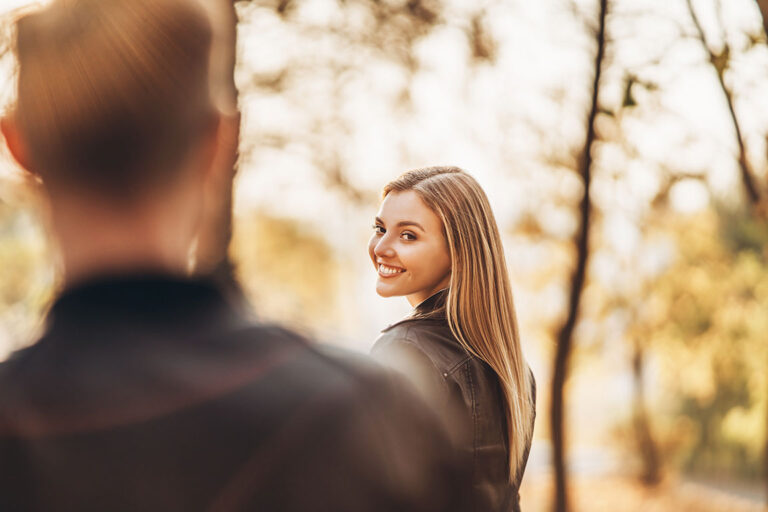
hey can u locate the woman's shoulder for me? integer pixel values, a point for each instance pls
(428, 336)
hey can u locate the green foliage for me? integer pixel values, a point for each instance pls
(742, 232)
(289, 273)
(27, 277)
(712, 342)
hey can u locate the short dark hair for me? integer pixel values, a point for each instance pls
(112, 94)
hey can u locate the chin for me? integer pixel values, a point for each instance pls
(383, 291)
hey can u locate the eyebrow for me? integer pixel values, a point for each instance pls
(403, 223)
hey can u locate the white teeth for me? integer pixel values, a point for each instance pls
(384, 269)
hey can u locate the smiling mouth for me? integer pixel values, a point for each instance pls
(387, 271)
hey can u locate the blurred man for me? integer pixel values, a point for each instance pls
(149, 390)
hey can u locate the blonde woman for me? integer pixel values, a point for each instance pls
(436, 242)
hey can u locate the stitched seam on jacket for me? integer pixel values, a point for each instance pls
(474, 418)
(450, 370)
(458, 365)
(407, 339)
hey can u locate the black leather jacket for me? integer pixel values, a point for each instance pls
(152, 393)
(465, 392)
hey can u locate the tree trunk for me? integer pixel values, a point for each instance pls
(649, 456)
(581, 241)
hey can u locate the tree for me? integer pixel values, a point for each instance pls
(710, 337)
(720, 61)
(581, 244)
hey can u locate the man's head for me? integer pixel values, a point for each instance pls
(112, 94)
(115, 114)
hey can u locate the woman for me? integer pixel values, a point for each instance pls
(436, 242)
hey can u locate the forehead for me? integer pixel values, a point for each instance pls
(407, 206)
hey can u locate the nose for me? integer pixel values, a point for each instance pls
(383, 248)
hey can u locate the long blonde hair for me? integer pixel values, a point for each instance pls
(479, 305)
(112, 93)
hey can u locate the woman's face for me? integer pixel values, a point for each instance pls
(408, 249)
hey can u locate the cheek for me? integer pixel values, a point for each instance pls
(371, 248)
(439, 264)
(426, 263)
(446, 262)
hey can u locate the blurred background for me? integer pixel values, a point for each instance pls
(622, 145)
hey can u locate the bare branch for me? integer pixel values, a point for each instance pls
(482, 44)
(720, 63)
(588, 24)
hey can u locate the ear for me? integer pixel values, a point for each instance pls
(15, 143)
(216, 219)
(222, 143)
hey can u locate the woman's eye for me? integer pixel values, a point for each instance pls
(408, 236)
(379, 230)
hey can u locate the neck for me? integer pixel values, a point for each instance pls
(95, 241)
(417, 298)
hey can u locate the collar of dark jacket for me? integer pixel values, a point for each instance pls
(140, 299)
(431, 308)
(434, 304)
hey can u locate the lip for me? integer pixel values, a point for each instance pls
(387, 276)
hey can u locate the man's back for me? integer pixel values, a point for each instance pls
(151, 393)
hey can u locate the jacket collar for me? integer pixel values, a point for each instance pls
(139, 299)
(433, 305)
(431, 308)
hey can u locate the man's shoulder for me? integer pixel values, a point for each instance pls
(308, 367)
(341, 415)
(355, 368)
(269, 367)
(13, 368)
(244, 341)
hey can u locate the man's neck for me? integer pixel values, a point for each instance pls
(102, 241)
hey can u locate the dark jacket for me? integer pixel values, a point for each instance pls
(151, 393)
(466, 393)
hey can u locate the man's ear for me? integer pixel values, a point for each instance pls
(223, 141)
(216, 219)
(15, 143)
